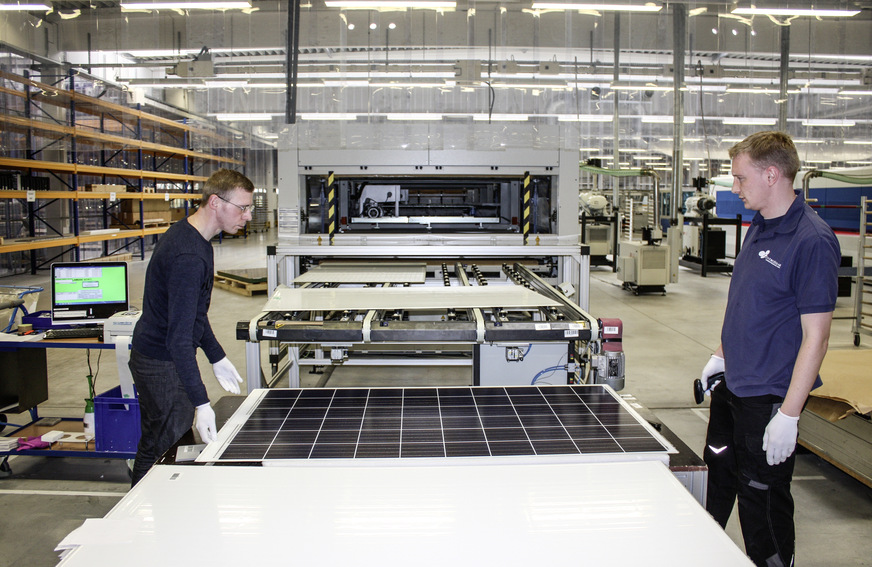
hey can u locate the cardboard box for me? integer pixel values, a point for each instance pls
(98, 188)
(153, 211)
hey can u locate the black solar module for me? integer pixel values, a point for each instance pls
(351, 423)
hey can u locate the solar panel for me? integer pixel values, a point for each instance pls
(366, 423)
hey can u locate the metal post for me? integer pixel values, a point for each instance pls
(331, 208)
(783, 76)
(679, 22)
(526, 193)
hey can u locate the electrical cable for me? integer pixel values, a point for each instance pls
(543, 371)
(492, 94)
(705, 143)
(92, 383)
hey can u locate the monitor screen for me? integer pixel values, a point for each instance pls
(87, 292)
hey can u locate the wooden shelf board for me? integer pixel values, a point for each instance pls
(154, 230)
(83, 169)
(162, 196)
(37, 244)
(112, 140)
(117, 235)
(91, 105)
(98, 195)
(39, 194)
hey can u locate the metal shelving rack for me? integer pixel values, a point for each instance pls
(863, 287)
(77, 139)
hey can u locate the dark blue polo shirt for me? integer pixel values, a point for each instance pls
(788, 267)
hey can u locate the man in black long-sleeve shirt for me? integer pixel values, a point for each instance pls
(174, 323)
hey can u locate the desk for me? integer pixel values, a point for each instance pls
(25, 386)
(25, 373)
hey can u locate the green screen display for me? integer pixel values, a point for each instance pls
(89, 284)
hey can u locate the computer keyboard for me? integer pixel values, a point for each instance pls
(75, 333)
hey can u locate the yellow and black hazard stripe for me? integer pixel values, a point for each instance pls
(526, 206)
(332, 211)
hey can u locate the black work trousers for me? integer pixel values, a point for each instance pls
(738, 469)
(166, 413)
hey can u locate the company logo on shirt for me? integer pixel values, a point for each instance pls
(765, 256)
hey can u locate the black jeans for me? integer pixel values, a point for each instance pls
(166, 413)
(738, 468)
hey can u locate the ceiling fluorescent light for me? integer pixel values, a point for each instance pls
(548, 86)
(637, 87)
(178, 53)
(858, 142)
(402, 84)
(648, 7)
(500, 117)
(328, 116)
(814, 12)
(243, 117)
(827, 122)
(650, 119)
(189, 5)
(583, 118)
(732, 90)
(343, 83)
(866, 92)
(749, 121)
(705, 88)
(225, 84)
(165, 85)
(415, 116)
(397, 4)
(25, 8)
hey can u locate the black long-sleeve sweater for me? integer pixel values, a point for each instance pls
(178, 291)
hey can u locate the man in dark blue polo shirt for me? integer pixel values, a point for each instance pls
(174, 323)
(774, 338)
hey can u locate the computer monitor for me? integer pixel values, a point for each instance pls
(87, 292)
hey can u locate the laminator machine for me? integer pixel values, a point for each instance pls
(516, 330)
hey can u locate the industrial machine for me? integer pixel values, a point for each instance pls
(433, 206)
(427, 204)
(704, 241)
(522, 331)
(599, 228)
(697, 207)
(646, 265)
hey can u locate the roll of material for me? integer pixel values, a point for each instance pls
(24, 328)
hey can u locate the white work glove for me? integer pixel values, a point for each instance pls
(779, 440)
(712, 367)
(204, 420)
(227, 375)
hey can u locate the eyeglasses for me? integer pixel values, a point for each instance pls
(243, 208)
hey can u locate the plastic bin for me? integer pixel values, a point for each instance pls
(116, 422)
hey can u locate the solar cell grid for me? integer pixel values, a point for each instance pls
(437, 422)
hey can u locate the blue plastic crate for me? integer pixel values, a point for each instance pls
(116, 421)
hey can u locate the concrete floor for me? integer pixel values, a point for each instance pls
(667, 340)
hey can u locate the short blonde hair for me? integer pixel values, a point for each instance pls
(223, 181)
(770, 148)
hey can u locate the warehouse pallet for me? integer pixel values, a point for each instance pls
(244, 282)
